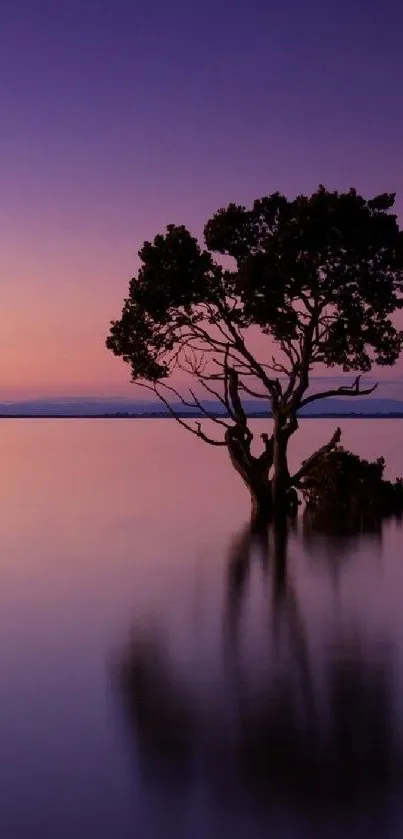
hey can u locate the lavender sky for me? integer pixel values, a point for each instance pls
(120, 116)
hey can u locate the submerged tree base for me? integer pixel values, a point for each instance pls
(265, 512)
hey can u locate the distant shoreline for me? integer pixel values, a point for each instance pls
(155, 415)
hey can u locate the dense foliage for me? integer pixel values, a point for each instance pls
(320, 278)
(344, 483)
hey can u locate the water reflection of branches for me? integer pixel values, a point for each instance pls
(328, 745)
(287, 625)
(270, 547)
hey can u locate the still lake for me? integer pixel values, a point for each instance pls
(162, 675)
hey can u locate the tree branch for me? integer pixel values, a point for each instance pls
(305, 355)
(234, 398)
(253, 393)
(265, 460)
(214, 393)
(344, 390)
(272, 385)
(206, 413)
(307, 464)
(196, 431)
(195, 404)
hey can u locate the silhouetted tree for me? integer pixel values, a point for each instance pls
(319, 276)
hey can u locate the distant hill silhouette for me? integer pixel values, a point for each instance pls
(115, 406)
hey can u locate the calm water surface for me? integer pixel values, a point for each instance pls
(162, 674)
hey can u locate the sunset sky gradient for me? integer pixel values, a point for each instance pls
(121, 116)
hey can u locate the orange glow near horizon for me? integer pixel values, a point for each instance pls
(55, 314)
(119, 122)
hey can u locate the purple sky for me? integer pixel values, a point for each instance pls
(118, 117)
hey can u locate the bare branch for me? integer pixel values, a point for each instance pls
(206, 336)
(176, 392)
(196, 431)
(195, 404)
(344, 390)
(306, 341)
(272, 385)
(307, 465)
(251, 392)
(212, 318)
(287, 347)
(206, 413)
(279, 368)
(219, 397)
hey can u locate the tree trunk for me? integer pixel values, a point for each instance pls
(255, 475)
(281, 476)
(260, 490)
(271, 495)
(262, 504)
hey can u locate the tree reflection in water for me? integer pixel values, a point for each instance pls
(319, 734)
